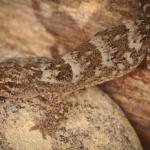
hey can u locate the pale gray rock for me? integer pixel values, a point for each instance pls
(86, 120)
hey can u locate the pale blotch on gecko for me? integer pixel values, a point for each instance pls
(109, 54)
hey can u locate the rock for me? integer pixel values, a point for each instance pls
(48, 28)
(88, 119)
(131, 93)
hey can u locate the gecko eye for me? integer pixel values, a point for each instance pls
(2, 98)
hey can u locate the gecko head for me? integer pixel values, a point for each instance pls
(4, 94)
(17, 78)
(7, 86)
(11, 88)
(8, 74)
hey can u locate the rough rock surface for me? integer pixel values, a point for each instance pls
(132, 93)
(86, 120)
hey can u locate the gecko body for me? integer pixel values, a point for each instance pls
(109, 54)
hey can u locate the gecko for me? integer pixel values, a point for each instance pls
(110, 54)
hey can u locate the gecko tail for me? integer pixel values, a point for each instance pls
(148, 60)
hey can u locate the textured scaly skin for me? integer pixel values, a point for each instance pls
(109, 54)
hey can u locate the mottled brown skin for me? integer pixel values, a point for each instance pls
(109, 54)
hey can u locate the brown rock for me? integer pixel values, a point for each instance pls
(132, 93)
